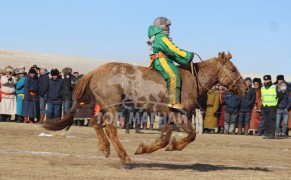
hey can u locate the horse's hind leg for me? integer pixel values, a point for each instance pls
(181, 144)
(111, 132)
(161, 142)
(103, 145)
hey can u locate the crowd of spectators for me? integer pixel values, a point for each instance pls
(31, 96)
(221, 111)
(39, 94)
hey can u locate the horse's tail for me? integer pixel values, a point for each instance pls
(81, 94)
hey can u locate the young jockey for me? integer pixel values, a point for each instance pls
(163, 53)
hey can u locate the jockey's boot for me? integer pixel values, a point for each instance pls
(137, 129)
(144, 126)
(177, 106)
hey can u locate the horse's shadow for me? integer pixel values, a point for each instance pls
(195, 167)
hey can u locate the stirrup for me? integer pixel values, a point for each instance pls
(177, 106)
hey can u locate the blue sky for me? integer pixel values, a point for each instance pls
(256, 32)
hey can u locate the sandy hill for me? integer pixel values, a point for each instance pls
(27, 59)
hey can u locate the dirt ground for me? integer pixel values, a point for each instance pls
(27, 151)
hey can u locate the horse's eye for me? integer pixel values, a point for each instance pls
(233, 69)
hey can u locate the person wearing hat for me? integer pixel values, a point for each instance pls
(36, 69)
(211, 117)
(221, 110)
(43, 89)
(282, 112)
(163, 55)
(280, 79)
(20, 95)
(247, 103)
(1, 74)
(270, 98)
(8, 102)
(30, 109)
(69, 83)
(54, 95)
(256, 110)
(232, 104)
(21, 68)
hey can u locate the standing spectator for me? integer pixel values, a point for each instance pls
(21, 68)
(270, 99)
(69, 84)
(256, 111)
(282, 111)
(76, 74)
(36, 69)
(43, 89)
(20, 95)
(247, 103)
(1, 74)
(30, 109)
(280, 79)
(8, 103)
(221, 110)
(54, 101)
(232, 103)
(211, 118)
(200, 112)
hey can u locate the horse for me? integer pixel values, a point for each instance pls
(114, 83)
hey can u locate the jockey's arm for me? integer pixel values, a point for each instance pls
(180, 56)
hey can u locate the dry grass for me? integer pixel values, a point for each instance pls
(25, 155)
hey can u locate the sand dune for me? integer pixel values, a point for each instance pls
(27, 59)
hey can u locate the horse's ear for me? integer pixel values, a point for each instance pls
(228, 56)
(223, 55)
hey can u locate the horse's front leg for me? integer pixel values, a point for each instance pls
(181, 144)
(161, 142)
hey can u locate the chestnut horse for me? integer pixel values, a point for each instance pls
(114, 83)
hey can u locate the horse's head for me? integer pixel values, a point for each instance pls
(229, 76)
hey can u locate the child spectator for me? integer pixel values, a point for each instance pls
(232, 103)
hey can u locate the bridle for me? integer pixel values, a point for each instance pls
(226, 74)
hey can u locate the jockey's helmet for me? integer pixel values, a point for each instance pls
(162, 22)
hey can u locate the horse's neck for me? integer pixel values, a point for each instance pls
(207, 75)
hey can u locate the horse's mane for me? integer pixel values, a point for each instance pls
(197, 65)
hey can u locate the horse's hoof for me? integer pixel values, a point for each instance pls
(106, 153)
(139, 150)
(127, 160)
(169, 147)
